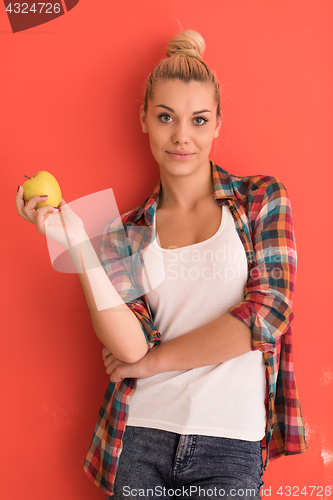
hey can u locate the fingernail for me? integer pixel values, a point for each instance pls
(44, 195)
(18, 189)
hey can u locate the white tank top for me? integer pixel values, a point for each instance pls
(201, 282)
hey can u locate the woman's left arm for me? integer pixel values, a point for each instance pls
(220, 340)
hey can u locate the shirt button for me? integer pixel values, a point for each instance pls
(242, 230)
(267, 363)
(250, 265)
(271, 395)
(231, 208)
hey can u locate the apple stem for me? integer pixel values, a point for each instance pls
(27, 177)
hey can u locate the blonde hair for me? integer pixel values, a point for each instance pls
(184, 62)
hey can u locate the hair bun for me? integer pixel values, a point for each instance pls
(187, 43)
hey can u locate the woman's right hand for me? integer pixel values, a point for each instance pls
(60, 224)
(28, 212)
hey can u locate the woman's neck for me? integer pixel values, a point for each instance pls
(187, 191)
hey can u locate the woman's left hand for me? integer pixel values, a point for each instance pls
(118, 370)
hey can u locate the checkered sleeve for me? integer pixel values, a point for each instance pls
(268, 294)
(123, 270)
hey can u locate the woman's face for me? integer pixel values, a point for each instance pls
(181, 118)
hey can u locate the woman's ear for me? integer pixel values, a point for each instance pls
(143, 117)
(218, 126)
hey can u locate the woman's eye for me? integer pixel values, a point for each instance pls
(164, 116)
(204, 120)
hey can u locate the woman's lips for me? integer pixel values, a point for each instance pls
(180, 155)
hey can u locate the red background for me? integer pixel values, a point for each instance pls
(70, 97)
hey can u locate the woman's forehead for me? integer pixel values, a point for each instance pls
(177, 91)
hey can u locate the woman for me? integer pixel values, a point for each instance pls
(191, 416)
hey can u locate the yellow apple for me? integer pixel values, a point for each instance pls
(40, 184)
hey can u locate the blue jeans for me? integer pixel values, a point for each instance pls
(156, 464)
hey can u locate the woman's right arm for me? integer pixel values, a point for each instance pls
(114, 323)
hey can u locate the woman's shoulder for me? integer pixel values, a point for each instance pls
(255, 182)
(258, 187)
(245, 186)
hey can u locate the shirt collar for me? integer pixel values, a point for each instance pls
(222, 189)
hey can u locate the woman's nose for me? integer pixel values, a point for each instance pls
(180, 133)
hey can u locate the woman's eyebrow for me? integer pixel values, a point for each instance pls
(172, 110)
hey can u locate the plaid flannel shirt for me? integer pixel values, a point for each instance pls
(263, 219)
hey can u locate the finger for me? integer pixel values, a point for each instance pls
(112, 366)
(105, 352)
(29, 210)
(41, 213)
(45, 209)
(41, 216)
(34, 200)
(116, 376)
(109, 360)
(20, 202)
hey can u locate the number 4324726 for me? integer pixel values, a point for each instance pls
(311, 491)
(23, 8)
